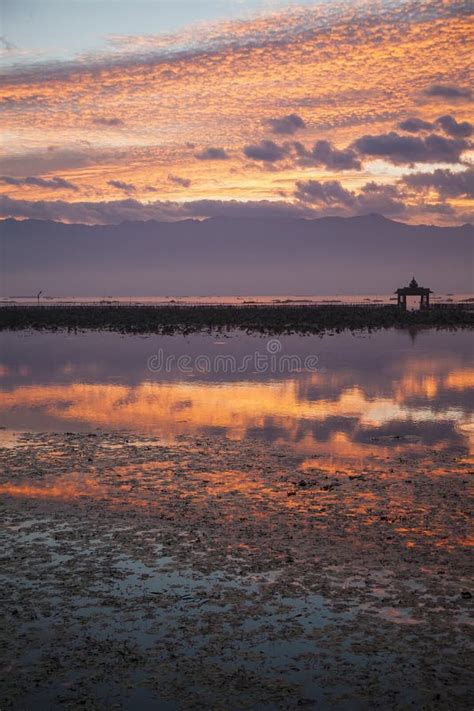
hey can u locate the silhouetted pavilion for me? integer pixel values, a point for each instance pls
(414, 290)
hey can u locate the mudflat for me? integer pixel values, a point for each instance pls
(210, 572)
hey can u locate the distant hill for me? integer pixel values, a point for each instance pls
(368, 254)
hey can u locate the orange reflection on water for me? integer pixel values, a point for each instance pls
(351, 453)
(391, 495)
(460, 379)
(426, 385)
(188, 407)
(66, 487)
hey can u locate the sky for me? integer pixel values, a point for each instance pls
(116, 110)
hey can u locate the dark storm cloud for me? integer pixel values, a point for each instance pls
(401, 149)
(54, 183)
(448, 91)
(266, 151)
(447, 182)
(286, 125)
(212, 153)
(120, 185)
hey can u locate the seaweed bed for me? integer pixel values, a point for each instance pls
(210, 573)
(263, 319)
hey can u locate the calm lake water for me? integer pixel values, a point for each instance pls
(236, 521)
(229, 299)
(341, 394)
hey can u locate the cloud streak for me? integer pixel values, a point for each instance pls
(176, 180)
(449, 91)
(310, 199)
(111, 121)
(120, 185)
(54, 183)
(116, 211)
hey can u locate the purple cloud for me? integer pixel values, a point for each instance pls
(184, 182)
(333, 158)
(54, 183)
(116, 211)
(415, 125)
(328, 193)
(372, 198)
(212, 153)
(267, 151)
(104, 121)
(462, 129)
(412, 149)
(286, 125)
(448, 91)
(447, 182)
(120, 185)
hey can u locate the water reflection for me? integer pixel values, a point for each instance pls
(285, 518)
(366, 389)
(407, 494)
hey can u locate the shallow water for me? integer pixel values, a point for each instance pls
(343, 395)
(239, 300)
(231, 532)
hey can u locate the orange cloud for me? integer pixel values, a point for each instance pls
(146, 109)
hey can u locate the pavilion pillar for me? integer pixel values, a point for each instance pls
(413, 290)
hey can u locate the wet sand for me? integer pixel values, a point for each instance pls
(230, 574)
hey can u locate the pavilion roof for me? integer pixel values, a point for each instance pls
(413, 289)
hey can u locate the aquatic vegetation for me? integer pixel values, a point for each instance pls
(276, 319)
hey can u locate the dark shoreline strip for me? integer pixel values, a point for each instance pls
(259, 319)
